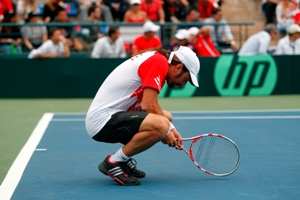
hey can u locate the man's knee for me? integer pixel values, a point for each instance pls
(168, 115)
(156, 123)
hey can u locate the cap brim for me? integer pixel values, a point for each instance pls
(179, 37)
(155, 28)
(194, 80)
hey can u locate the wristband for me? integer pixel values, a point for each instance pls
(171, 128)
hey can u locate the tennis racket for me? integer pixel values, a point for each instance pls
(214, 154)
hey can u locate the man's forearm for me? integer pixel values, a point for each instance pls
(66, 50)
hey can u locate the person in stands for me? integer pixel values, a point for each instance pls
(147, 40)
(259, 42)
(135, 14)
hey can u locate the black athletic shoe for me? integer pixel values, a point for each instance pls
(115, 171)
(130, 168)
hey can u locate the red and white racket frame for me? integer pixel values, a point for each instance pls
(196, 138)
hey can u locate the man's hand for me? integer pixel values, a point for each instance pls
(173, 139)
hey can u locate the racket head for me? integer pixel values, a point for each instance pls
(214, 154)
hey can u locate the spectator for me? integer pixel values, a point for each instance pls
(269, 8)
(51, 9)
(84, 5)
(117, 8)
(135, 14)
(34, 36)
(111, 46)
(10, 36)
(285, 12)
(68, 31)
(204, 46)
(24, 7)
(147, 40)
(174, 11)
(190, 17)
(205, 8)
(193, 37)
(93, 33)
(297, 18)
(56, 46)
(181, 37)
(154, 10)
(290, 44)
(5, 6)
(220, 32)
(259, 42)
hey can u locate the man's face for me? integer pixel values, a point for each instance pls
(115, 35)
(182, 42)
(97, 13)
(176, 77)
(273, 35)
(150, 34)
(62, 16)
(193, 15)
(218, 16)
(56, 36)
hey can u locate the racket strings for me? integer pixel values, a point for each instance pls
(216, 154)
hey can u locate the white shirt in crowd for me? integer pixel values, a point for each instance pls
(256, 44)
(48, 47)
(223, 31)
(105, 48)
(286, 47)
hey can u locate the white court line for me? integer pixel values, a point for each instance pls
(205, 111)
(199, 117)
(40, 149)
(15, 172)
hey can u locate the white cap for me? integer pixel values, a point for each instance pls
(190, 61)
(150, 26)
(294, 28)
(182, 34)
(132, 2)
(194, 31)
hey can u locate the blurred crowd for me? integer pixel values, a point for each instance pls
(40, 39)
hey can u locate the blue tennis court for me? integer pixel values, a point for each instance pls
(60, 160)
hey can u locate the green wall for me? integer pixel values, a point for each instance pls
(228, 75)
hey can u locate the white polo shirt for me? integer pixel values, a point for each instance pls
(256, 44)
(286, 47)
(122, 90)
(48, 47)
(105, 48)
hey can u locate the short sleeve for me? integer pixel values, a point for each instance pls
(153, 72)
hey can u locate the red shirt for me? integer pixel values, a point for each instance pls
(151, 9)
(205, 9)
(205, 47)
(5, 5)
(297, 18)
(140, 43)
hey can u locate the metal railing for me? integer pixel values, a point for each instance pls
(131, 30)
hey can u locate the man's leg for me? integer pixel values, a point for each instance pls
(269, 9)
(153, 129)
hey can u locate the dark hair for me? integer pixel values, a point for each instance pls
(61, 10)
(92, 9)
(215, 11)
(189, 10)
(52, 31)
(112, 30)
(166, 53)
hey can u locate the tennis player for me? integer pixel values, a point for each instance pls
(126, 109)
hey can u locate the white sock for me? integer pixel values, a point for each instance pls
(119, 156)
